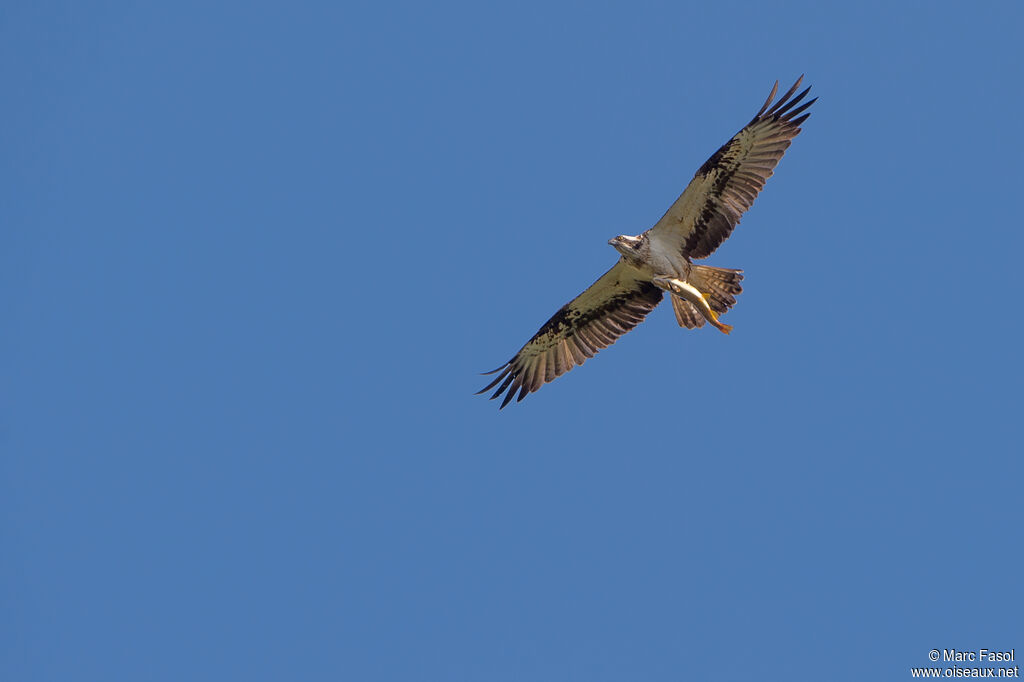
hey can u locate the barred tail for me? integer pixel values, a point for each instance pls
(722, 286)
(686, 314)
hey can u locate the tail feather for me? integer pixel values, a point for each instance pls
(721, 284)
(686, 314)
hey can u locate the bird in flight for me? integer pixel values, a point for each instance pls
(661, 259)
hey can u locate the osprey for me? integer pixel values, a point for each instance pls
(660, 259)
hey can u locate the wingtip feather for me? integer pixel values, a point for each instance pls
(767, 102)
(496, 380)
(803, 107)
(504, 385)
(483, 374)
(779, 106)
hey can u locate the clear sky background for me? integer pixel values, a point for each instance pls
(254, 255)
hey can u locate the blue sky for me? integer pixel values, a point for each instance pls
(254, 256)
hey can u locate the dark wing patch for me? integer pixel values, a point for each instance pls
(595, 319)
(710, 207)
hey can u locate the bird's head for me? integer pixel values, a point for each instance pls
(626, 245)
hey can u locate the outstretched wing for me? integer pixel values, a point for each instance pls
(726, 185)
(595, 319)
